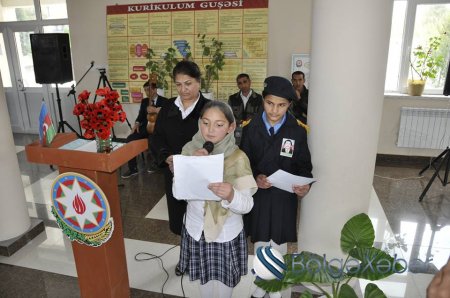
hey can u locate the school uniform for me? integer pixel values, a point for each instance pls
(213, 242)
(274, 214)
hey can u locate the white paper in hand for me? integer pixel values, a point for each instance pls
(284, 180)
(192, 174)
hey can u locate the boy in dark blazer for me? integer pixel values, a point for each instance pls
(273, 219)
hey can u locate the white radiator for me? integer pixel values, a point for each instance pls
(424, 128)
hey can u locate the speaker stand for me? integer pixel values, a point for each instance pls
(62, 122)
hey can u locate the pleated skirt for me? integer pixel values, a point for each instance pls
(225, 262)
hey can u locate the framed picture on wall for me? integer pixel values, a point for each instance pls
(301, 62)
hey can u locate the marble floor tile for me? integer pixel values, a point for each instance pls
(20, 148)
(160, 210)
(40, 191)
(415, 231)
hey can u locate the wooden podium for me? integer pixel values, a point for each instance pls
(102, 271)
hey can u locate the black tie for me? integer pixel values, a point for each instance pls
(272, 131)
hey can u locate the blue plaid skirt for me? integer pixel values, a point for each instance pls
(225, 262)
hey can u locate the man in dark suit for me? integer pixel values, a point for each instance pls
(152, 103)
(299, 107)
(245, 104)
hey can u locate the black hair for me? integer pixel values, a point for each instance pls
(187, 68)
(151, 85)
(221, 106)
(298, 72)
(242, 75)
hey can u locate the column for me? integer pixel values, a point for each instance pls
(350, 41)
(14, 219)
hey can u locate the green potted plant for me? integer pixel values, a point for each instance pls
(362, 261)
(170, 58)
(213, 60)
(157, 68)
(161, 67)
(426, 64)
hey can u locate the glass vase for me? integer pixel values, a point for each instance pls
(104, 145)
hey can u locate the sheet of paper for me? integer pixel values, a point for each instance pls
(192, 174)
(284, 180)
(75, 144)
(87, 145)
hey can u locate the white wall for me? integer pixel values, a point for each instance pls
(289, 33)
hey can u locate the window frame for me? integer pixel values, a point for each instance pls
(408, 34)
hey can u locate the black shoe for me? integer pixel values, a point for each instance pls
(152, 168)
(178, 271)
(129, 174)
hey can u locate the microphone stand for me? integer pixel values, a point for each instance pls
(72, 92)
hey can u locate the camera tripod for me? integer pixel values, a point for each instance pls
(62, 122)
(441, 160)
(103, 79)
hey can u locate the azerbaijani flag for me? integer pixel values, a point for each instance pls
(46, 129)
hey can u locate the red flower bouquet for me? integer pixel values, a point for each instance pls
(99, 117)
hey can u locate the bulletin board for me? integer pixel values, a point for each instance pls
(242, 26)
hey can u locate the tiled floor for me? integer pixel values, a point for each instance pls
(417, 232)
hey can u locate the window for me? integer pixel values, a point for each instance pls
(44, 16)
(56, 29)
(23, 46)
(395, 45)
(413, 23)
(4, 68)
(11, 11)
(53, 9)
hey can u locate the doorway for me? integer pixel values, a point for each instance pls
(23, 95)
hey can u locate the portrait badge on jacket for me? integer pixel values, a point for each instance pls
(287, 147)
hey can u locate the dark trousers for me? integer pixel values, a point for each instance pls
(151, 154)
(176, 208)
(132, 164)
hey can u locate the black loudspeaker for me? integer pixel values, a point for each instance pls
(447, 81)
(51, 57)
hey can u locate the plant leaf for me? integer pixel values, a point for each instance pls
(375, 264)
(273, 285)
(358, 231)
(303, 267)
(347, 292)
(372, 291)
(306, 294)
